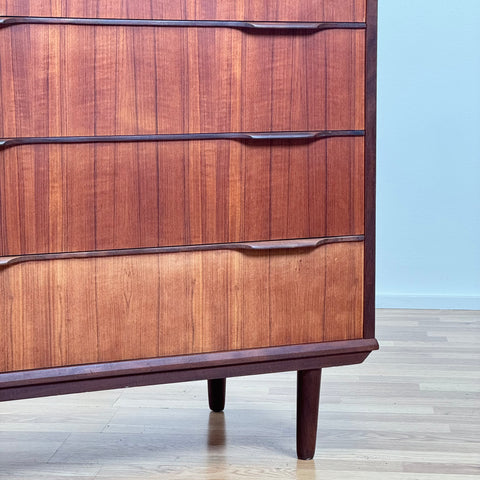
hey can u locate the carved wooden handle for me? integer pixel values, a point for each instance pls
(252, 26)
(259, 136)
(303, 243)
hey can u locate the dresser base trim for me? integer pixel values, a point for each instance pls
(135, 373)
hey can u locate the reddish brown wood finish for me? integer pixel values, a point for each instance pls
(212, 361)
(370, 169)
(55, 381)
(91, 383)
(177, 303)
(6, 262)
(308, 393)
(64, 198)
(64, 80)
(267, 10)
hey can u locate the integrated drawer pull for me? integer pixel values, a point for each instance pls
(259, 136)
(303, 135)
(295, 244)
(303, 26)
(241, 246)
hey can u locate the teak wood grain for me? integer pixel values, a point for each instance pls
(65, 198)
(260, 10)
(69, 80)
(177, 304)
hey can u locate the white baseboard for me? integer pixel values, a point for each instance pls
(436, 302)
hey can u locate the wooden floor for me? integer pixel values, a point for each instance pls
(411, 411)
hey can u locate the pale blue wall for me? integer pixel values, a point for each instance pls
(428, 198)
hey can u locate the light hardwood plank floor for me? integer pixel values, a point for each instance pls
(411, 411)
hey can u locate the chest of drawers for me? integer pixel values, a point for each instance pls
(187, 192)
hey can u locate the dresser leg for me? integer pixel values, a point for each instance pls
(308, 392)
(216, 394)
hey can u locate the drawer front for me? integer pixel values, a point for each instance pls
(259, 10)
(145, 306)
(69, 80)
(64, 198)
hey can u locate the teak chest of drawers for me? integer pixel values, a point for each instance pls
(187, 191)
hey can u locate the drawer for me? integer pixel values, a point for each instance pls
(81, 197)
(260, 10)
(71, 80)
(145, 306)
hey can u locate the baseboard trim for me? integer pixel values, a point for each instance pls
(437, 302)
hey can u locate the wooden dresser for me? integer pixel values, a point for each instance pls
(187, 191)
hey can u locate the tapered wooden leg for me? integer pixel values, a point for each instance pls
(308, 392)
(216, 394)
